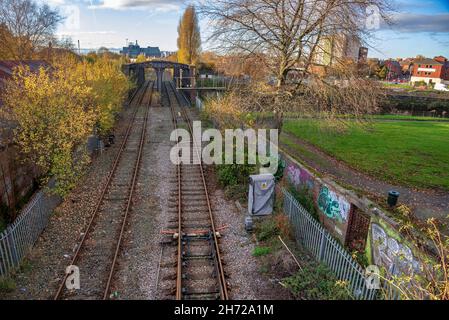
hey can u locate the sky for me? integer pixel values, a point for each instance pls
(420, 26)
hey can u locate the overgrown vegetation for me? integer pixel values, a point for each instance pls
(7, 284)
(305, 197)
(55, 110)
(310, 280)
(431, 281)
(261, 251)
(317, 282)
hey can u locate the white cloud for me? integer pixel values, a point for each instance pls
(78, 33)
(408, 22)
(159, 5)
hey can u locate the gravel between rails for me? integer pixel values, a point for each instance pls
(236, 246)
(45, 265)
(139, 262)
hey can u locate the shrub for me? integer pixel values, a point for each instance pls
(237, 192)
(317, 282)
(7, 284)
(261, 251)
(305, 197)
(267, 230)
(234, 174)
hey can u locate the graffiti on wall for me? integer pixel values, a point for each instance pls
(332, 205)
(299, 177)
(397, 258)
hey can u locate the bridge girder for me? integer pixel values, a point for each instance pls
(138, 70)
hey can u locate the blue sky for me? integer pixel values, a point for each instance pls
(422, 26)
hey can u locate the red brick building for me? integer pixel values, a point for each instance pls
(431, 70)
(394, 69)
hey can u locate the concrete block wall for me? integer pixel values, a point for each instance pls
(338, 209)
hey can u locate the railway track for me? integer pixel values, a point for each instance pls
(199, 268)
(98, 250)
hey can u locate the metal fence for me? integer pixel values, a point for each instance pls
(21, 235)
(311, 235)
(199, 103)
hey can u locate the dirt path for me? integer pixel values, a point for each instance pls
(425, 203)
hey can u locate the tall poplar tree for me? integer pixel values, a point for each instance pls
(189, 38)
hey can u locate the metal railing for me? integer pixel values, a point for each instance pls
(217, 83)
(311, 235)
(20, 236)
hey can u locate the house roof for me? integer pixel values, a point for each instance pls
(427, 61)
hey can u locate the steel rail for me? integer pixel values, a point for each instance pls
(130, 196)
(178, 168)
(222, 280)
(94, 212)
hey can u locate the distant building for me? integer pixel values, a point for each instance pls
(337, 50)
(134, 50)
(333, 49)
(431, 70)
(363, 55)
(407, 67)
(394, 69)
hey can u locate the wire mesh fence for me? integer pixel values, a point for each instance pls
(20, 236)
(318, 241)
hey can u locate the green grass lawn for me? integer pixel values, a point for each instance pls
(412, 153)
(405, 118)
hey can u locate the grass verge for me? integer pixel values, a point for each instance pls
(411, 153)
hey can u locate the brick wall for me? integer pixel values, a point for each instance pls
(16, 178)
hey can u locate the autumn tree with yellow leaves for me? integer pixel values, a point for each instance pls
(189, 38)
(55, 110)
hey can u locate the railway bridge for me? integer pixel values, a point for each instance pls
(180, 71)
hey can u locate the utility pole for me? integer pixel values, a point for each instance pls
(79, 48)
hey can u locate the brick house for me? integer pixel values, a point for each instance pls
(394, 69)
(431, 70)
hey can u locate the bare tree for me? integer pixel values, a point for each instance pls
(25, 26)
(290, 33)
(297, 37)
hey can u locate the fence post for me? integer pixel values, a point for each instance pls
(290, 215)
(322, 246)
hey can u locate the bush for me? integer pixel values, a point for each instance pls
(7, 284)
(305, 197)
(261, 251)
(234, 174)
(420, 83)
(237, 192)
(317, 282)
(267, 230)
